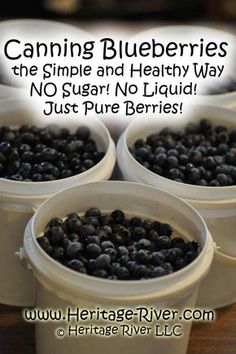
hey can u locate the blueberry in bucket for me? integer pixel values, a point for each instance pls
(117, 247)
(34, 154)
(201, 154)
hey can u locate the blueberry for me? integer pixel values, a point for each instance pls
(214, 183)
(114, 268)
(118, 216)
(24, 147)
(168, 267)
(153, 235)
(183, 159)
(107, 221)
(156, 225)
(103, 261)
(122, 273)
(5, 147)
(93, 239)
(3, 158)
(143, 256)
(28, 138)
(160, 150)
(139, 143)
(223, 148)
(142, 152)
(140, 271)
(74, 250)
(157, 169)
(73, 225)
(196, 157)
(13, 167)
(117, 239)
(202, 182)
(165, 229)
(92, 220)
(179, 263)
(144, 243)
(157, 258)
(173, 152)
(73, 237)
(87, 230)
(45, 244)
(9, 136)
(14, 155)
(124, 260)
(190, 256)
(194, 175)
(57, 235)
(58, 253)
(220, 129)
(160, 159)
(112, 253)
(100, 273)
(37, 177)
(163, 242)
(231, 158)
(192, 128)
(205, 125)
(222, 138)
(93, 250)
(139, 233)
(107, 244)
(103, 235)
(94, 212)
(191, 246)
(77, 265)
(172, 254)
(222, 179)
(83, 133)
(147, 224)
(173, 161)
(87, 164)
(135, 222)
(17, 177)
(66, 173)
(158, 272)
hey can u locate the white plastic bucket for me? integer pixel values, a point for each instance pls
(59, 287)
(222, 100)
(217, 205)
(18, 201)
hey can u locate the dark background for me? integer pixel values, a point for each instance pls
(173, 10)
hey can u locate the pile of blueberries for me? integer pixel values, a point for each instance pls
(113, 246)
(30, 153)
(201, 154)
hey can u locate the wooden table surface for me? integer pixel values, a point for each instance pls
(219, 337)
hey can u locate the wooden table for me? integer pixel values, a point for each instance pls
(219, 337)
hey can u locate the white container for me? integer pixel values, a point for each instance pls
(9, 92)
(59, 287)
(217, 205)
(222, 100)
(18, 201)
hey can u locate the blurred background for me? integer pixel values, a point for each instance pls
(135, 10)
